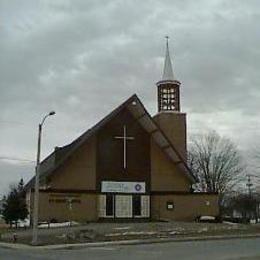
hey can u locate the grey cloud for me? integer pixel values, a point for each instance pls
(83, 58)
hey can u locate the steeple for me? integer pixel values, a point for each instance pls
(168, 87)
(167, 70)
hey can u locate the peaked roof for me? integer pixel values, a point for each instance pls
(167, 70)
(137, 109)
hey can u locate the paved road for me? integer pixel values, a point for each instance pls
(242, 249)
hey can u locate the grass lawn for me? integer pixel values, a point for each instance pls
(94, 232)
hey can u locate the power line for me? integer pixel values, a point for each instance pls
(11, 122)
(9, 158)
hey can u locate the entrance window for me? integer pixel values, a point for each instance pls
(109, 205)
(137, 205)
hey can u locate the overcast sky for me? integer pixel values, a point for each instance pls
(83, 58)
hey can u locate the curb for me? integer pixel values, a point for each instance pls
(126, 242)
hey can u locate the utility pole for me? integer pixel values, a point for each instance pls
(36, 184)
(249, 184)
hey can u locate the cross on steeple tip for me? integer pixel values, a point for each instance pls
(167, 39)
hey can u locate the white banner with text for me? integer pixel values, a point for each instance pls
(123, 187)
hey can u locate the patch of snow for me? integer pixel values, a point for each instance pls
(174, 233)
(205, 229)
(62, 236)
(207, 218)
(55, 225)
(131, 233)
(121, 228)
(139, 233)
(23, 223)
(233, 227)
(113, 234)
(230, 223)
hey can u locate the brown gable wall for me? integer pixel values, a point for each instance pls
(173, 125)
(110, 151)
(79, 170)
(165, 176)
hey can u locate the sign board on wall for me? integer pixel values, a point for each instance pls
(123, 187)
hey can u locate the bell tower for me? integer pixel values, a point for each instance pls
(168, 87)
(169, 117)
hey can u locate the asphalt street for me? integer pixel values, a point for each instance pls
(243, 249)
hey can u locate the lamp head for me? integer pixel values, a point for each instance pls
(52, 113)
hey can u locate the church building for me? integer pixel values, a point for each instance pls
(130, 165)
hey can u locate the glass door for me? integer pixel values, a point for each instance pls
(137, 206)
(123, 205)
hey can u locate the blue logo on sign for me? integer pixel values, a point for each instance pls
(138, 187)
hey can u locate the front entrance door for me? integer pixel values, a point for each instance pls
(124, 206)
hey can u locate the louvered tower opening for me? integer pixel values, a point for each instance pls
(168, 97)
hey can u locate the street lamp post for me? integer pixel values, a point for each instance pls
(36, 184)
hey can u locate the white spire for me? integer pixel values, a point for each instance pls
(167, 71)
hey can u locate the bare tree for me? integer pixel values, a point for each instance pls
(216, 162)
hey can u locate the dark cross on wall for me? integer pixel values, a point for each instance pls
(125, 138)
